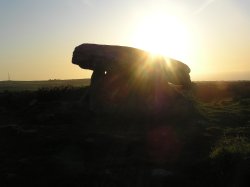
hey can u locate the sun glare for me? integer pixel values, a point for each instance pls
(162, 34)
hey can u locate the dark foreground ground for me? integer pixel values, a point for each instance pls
(48, 137)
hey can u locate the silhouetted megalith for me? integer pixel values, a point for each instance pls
(130, 77)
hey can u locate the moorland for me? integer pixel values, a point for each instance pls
(49, 137)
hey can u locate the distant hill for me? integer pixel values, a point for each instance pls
(35, 85)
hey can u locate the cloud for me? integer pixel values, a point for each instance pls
(203, 7)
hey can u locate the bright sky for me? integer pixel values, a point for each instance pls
(37, 37)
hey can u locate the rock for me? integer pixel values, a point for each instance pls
(105, 59)
(130, 77)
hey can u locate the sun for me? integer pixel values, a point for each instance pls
(163, 34)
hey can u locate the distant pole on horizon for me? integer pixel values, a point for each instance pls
(8, 76)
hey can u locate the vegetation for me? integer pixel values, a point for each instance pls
(35, 85)
(48, 136)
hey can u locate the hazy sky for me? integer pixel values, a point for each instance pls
(37, 37)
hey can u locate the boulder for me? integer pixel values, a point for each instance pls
(126, 76)
(107, 58)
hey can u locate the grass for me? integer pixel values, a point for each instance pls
(35, 85)
(238, 146)
(48, 136)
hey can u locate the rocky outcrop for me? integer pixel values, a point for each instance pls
(130, 77)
